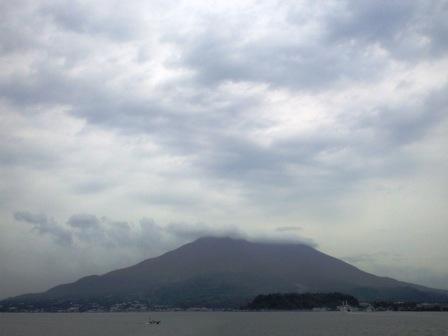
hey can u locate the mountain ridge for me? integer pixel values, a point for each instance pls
(214, 272)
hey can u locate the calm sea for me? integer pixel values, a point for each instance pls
(225, 323)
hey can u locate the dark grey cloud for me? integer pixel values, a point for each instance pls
(45, 226)
(396, 127)
(83, 221)
(181, 125)
(406, 29)
(98, 20)
(191, 232)
(86, 229)
(340, 51)
(80, 229)
(299, 65)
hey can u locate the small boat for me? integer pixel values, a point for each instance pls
(345, 307)
(151, 321)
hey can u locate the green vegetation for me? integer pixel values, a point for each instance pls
(306, 301)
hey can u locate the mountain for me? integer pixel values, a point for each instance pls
(226, 272)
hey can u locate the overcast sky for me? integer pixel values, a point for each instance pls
(130, 127)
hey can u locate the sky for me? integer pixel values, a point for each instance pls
(128, 128)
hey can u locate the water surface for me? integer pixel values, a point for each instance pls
(225, 323)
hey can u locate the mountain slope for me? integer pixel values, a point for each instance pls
(229, 272)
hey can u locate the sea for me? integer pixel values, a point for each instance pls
(225, 323)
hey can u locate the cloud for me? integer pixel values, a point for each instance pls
(45, 226)
(83, 221)
(241, 115)
(84, 230)
(187, 231)
(407, 30)
(348, 42)
(366, 258)
(288, 228)
(92, 20)
(394, 265)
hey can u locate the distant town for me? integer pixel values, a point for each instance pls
(316, 302)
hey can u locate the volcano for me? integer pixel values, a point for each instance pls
(227, 272)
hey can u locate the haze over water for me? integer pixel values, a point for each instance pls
(223, 324)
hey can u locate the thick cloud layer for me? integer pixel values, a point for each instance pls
(252, 118)
(82, 230)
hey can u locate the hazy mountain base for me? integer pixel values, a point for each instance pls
(228, 273)
(219, 291)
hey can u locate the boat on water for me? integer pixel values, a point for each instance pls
(345, 307)
(151, 321)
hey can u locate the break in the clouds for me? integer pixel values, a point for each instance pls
(322, 120)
